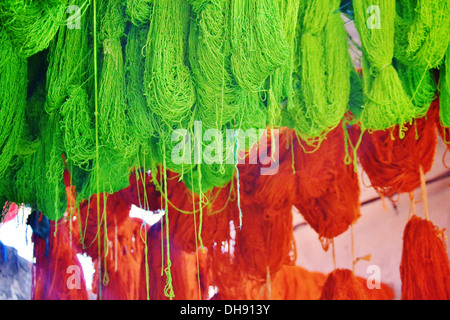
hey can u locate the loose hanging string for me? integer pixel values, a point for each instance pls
(97, 166)
(269, 284)
(412, 209)
(168, 289)
(236, 148)
(424, 193)
(333, 253)
(105, 241)
(147, 271)
(196, 240)
(353, 248)
(144, 226)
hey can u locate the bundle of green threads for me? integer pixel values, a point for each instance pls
(229, 64)
(386, 103)
(321, 75)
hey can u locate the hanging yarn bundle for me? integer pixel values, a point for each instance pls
(444, 78)
(391, 163)
(68, 87)
(296, 283)
(272, 172)
(168, 84)
(328, 187)
(264, 235)
(342, 284)
(385, 101)
(210, 60)
(424, 269)
(125, 260)
(422, 30)
(114, 210)
(60, 129)
(68, 98)
(142, 121)
(114, 128)
(220, 101)
(13, 94)
(138, 11)
(265, 242)
(419, 85)
(322, 70)
(32, 24)
(187, 272)
(49, 168)
(256, 51)
(57, 273)
(26, 185)
(280, 84)
(258, 245)
(421, 40)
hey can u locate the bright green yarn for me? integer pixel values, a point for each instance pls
(168, 83)
(138, 11)
(356, 101)
(13, 94)
(422, 30)
(210, 61)
(322, 70)
(258, 43)
(420, 86)
(142, 120)
(115, 136)
(48, 163)
(386, 103)
(280, 85)
(221, 103)
(32, 24)
(445, 91)
(69, 85)
(25, 175)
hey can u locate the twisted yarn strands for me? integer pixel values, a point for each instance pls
(392, 164)
(13, 94)
(143, 123)
(115, 135)
(25, 181)
(322, 72)
(385, 101)
(50, 193)
(258, 43)
(342, 284)
(445, 91)
(168, 84)
(50, 274)
(420, 86)
(421, 39)
(281, 82)
(219, 98)
(209, 56)
(328, 196)
(422, 30)
(32, 24)
(138, 11)
(68, 88)
(424, 269)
